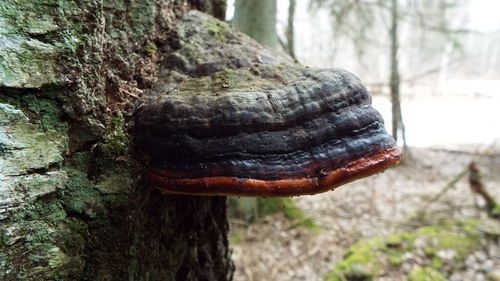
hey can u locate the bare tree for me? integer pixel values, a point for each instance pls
(397, 118)
(364, 23)
(290, 30)
(257, 18)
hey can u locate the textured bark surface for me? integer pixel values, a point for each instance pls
(72, 202)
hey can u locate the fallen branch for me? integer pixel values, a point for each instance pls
(477, 186)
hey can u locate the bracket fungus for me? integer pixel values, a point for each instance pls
(262, 130)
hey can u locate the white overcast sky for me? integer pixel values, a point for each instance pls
(484, 14)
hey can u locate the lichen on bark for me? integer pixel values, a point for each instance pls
(34, 227)
(72, 206)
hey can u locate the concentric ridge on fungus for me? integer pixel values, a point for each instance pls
(263, 131)
(231, 117)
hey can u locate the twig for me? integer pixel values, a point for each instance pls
(445, 189)
(420, 75)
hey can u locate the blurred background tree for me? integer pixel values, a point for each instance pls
(367, 23)
(257, 18)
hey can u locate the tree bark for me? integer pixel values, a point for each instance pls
(73, 204)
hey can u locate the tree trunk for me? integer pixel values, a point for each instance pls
(73, 204)
(290, 30)
(257, 18)
(397, 120)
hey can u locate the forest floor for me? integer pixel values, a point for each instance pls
(274, 249)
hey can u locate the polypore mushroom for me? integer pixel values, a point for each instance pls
(264, 130)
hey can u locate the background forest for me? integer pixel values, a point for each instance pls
(436, 63)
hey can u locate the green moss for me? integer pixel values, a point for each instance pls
(251, 209)
(287, 206)
(117, 122)
(81, 196)
(33, 62)
(77, 225)
(235, 80)
(191, 50)
(50, 210)
(144, 16)
(3, 239)
(115, 144)
(44, 208)
(72, 235)
(115, 180)
(395, 260)
(437, 262)
(224, 79)
(219, 81)
(43, 111)
(238, 236)
(242, 208)
(150, 48)
(49, 247)
(360, 262)
(376, 256)
(218, 30)
(425, 274)
(80, 160)
(115, 141)
(438, 238)
(495, 211)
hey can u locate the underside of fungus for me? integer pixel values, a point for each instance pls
(257, 126)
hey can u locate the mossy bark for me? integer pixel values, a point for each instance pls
(73, 204)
